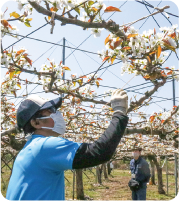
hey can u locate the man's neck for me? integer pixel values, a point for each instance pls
(46, 133)
(136, 158)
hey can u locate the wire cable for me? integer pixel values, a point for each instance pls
(152, 16)
(152, 7)
(23, 36)
(100, 64)
(42, 26)
(161, 12)
(77, 61)
(40, 68)
(148, 17)
(52, 43)
(89, 52)
(91, 34)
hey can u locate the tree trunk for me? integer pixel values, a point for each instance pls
(152, 179)
(0, 165)
(79, 185)
(98, 173)
(159, 173)
(108, 168)
(104, 170)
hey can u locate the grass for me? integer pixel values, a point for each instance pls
(5, 176)
(114, 188)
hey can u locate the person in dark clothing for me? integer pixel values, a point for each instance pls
(38, 170)
(140, 175)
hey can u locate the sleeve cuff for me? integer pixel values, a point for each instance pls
(123, 112)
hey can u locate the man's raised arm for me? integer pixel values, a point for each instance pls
(102, 150)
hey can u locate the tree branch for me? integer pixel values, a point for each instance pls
(160, 10)
(31, 71)
(80, 97)
(1, 47)
(146, 96)
(172, 113)
(47, 5)
(110, 25)
(19, 18)
(142, 131)
(10, 131)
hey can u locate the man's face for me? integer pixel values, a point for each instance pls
(136, 154)
(49, 122)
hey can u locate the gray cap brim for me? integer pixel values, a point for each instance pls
(55, 103)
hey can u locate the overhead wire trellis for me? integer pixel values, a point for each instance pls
(8, 163)
(55, 43)
(106, 68)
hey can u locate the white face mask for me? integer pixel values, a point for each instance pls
(59, 123)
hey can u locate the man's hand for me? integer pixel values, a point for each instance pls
(119, 101)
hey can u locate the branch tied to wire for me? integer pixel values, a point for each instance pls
(159, 10)
(52, 21)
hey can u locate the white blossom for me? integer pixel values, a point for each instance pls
(83, 18)
(2, 15)
(96, 32)
(123, 56)
(172, 42)
(100, 4)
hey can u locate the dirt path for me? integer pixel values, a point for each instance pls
(116, 189)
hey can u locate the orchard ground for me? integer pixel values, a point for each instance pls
(114, 188)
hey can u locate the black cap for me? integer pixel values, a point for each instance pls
(137, 149)
(33, 104)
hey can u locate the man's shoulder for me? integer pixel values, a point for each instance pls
(53, 142)
(41, 143)
(42, 139)
(132, 161)
(143, 161)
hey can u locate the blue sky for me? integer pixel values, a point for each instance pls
(82, 63)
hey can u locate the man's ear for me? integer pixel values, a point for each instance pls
(35, 123)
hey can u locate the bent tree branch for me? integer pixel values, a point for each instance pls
(110, 25)
(147, 95)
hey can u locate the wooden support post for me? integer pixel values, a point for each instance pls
(167, 174)
(79, 185)
(96, 175)
(175, 173)
(74, 174)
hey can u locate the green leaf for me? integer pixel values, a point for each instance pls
(27, 23)
(90, 3)
(17, 72)
(170, 47)
(77, 10)
(80, 81)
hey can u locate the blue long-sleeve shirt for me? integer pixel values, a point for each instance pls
(141, 170)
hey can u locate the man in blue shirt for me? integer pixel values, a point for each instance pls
(38, 171)
(140, 175)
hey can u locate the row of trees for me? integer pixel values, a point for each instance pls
(104, 171)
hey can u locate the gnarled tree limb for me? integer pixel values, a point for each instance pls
(146, 96)
(110, 25)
